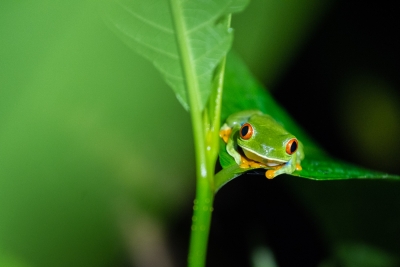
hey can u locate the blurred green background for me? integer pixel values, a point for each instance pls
(96, 154)
(92, 141)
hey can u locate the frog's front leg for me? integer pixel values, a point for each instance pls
(289, 167)
(231, 147)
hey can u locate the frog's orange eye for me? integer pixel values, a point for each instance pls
(292, 146)
(246, 131)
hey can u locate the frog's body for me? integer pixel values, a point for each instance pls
(256, 140)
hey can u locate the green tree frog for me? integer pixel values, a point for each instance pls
(256, 140)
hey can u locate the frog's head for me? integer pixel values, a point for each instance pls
(263, 140)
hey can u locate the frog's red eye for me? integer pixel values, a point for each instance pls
(292, 146)
(246, 131)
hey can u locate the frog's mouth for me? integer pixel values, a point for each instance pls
(270, 162)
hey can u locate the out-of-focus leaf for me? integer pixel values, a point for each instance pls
(9, 260)
(148, 28)
(243, 92)
(358, 254)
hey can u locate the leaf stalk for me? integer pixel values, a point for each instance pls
(202, 207)
(205, 124)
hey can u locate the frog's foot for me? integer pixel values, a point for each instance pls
(271, 174)
(298, 167)
(281, 169)
(224, 133)
(246, 163)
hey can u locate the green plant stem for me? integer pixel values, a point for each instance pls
(201, 221)
(205, 126)
(202, 207)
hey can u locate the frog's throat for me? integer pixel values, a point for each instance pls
(271, 162)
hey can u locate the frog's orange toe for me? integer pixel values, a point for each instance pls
(298, 167)
(225, 133)
(270, 174)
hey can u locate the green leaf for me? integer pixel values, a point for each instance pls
(242, 92)
(148, 28)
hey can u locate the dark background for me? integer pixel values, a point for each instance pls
(351, 57)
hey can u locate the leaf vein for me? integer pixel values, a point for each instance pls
(140, 42)
(149, 22)
(205, 23)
